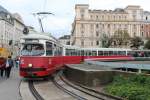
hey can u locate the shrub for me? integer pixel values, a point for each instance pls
(135, 87)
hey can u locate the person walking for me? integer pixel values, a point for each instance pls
(2, 65)
(9, 65)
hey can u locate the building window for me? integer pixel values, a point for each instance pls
(92, 43)
(82, 16)
(82, 32)
(147, 34)
(119, 17)
(126, 26)
(146, 18)
(142, 34)
(119, 25)
(97, 33)
(142, 26)
(82, 43)
(114, 26)
(134, 34)
(91, 17)
(114, 17)
(108, 17)
(103, 26)
(134, 17)
(97, 42)
(97, 25)
(125, 17)
(68, 43)
(134, 27)
(82, 10)
(102, 17)
(108, 25)
(82, 26)
(96, 17)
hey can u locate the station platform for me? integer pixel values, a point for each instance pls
(91, 75)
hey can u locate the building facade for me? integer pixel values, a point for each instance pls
(65, 39)
(11, 29)
(89, 26)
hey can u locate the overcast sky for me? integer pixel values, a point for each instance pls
(60, 23)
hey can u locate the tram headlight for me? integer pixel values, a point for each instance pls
(29, 65)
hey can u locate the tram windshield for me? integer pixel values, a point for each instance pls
(32, 50)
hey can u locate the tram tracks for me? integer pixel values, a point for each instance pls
(34, 91)
(59, 85)
(80, 92)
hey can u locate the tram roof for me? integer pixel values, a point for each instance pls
(106, 49)
(39, 35)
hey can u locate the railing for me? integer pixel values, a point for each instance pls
(121, 65)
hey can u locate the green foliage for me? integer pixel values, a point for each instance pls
(106, 42)
(147, 44)
(121, 37)
(135, 87)
(136, 42)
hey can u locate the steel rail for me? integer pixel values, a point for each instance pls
(81, 89)
(91, 90)
(67, 91)
(34, 91)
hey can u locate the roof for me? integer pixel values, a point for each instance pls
(39, 35)
(107, 49)
(2, 9)
(65, 37)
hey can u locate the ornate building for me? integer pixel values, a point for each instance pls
(89, 26)
(65, 39)
(11, 29)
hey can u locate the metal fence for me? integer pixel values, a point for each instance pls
(120, 65)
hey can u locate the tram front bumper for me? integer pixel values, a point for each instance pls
(33, 72)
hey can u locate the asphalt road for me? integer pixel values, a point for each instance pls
(9, 87)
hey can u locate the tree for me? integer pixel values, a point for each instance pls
(136, 42)
(147, 44)
(121, 37)
(105, 41)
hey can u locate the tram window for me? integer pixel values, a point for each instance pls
(59, 51)
(67, 52)
(121, 53)
(129, 53)
(115, 52)
(33, 49)
(82, 53)
(49, 50)
(90, 53)
(79, 53)
(106, 53)
(100, 53)
(148, 54)
(110, 53)
(94, 53)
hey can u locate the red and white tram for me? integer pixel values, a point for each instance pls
(41, 55)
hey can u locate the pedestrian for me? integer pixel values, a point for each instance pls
(17, 63)
(9, 65)
(2, 65)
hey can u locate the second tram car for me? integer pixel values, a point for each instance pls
(41, 55)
